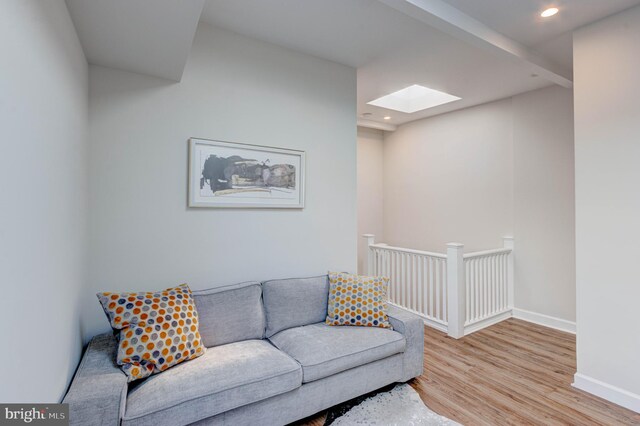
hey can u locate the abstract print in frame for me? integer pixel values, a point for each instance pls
(227, 174)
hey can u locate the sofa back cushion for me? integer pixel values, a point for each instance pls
(230, 314)
(294, 302)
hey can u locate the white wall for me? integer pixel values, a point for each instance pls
(370, 190)
(142, 234)
(607, 127)
(478, 174)
(43, 207)
(544, 198)
(449, 179)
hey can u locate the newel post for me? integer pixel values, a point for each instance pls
(456, 303)
(371, 239)
(508, 243)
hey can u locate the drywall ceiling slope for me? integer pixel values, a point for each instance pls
(390, 50)
(551, 37)
(558, 50)
(520, 20)
(150, 37)
(450, 20)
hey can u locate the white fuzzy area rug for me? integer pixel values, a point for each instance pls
(401, 406)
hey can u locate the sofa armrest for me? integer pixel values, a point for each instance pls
(98, 392)
(412, 327)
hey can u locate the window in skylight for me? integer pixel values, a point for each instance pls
(413, 98)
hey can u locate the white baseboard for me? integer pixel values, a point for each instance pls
(433, 324)
(533, 317)
(487, 322)
(427, 321)
(545, 320)
(606, 391)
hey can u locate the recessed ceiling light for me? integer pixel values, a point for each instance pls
(387, 118)
(413, 98)
(549, 12)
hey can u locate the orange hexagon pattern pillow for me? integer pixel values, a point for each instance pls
(157, 329)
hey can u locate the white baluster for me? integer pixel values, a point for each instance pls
(469, 279)
(482, 291)
(445, 292)
(388, 258)
(499, 282)
(493, 284)
(505, 290)
(485, 266)
(437, 299)
(467, 291)
(403, 279)
(503, 282)
(396, 274)
(476, 292)
(432, 289)
(429, 293)
(412, 278)
(420, 290)
(409, 278)
(416, 282)
(406, 280)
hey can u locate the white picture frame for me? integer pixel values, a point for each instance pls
(236, 175)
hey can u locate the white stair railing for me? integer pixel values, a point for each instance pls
(454, 292)
(418, 279)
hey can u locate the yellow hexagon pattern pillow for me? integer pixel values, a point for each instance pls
(357, 300)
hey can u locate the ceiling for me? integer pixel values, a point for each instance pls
(520, 20)
(392, 50)
(479, 50)
(152, 37)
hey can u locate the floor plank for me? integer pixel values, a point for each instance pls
(512, 373)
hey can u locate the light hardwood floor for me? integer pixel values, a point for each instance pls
(512, 373)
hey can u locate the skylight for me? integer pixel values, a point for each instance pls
(413, 98)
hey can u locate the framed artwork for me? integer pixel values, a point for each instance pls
(226, 174)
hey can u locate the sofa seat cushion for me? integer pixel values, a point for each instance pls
(324, 350)
(225, 377)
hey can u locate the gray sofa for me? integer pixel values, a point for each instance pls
(270, 360)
